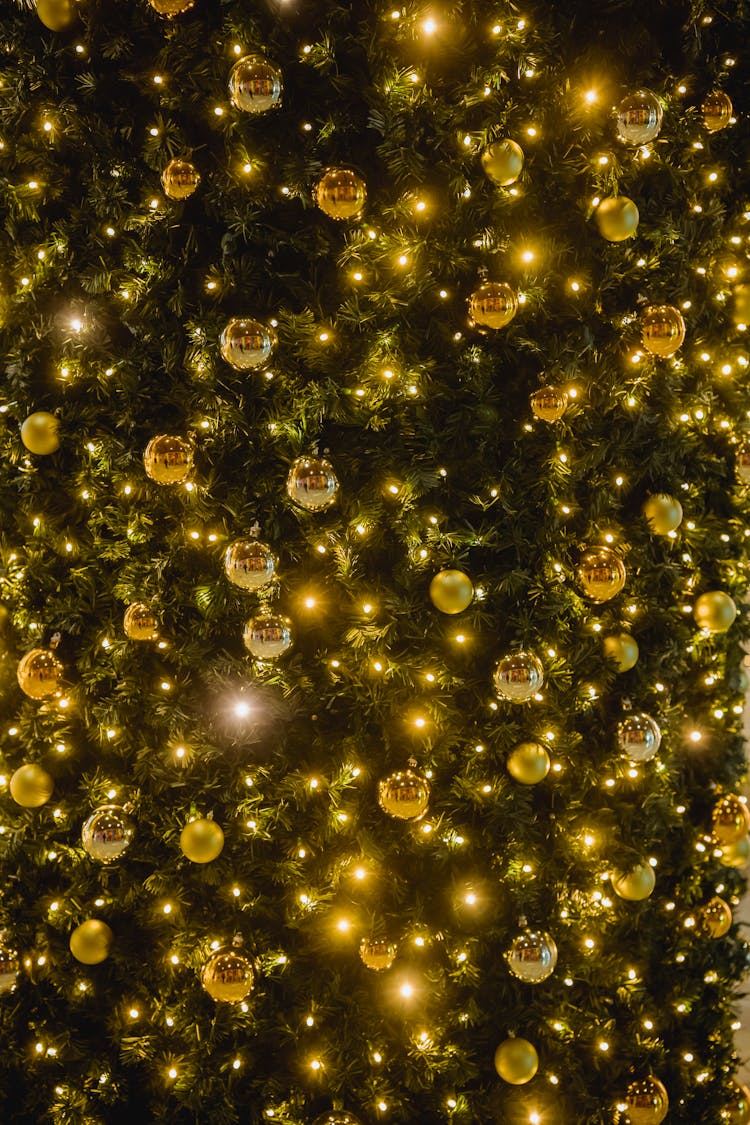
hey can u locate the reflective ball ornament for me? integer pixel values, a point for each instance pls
(171, 8)
(202, 840)
(617, 218)
(376, 954)
(715, 918)
(57, 15)
(268, 636)
(601, 574)
(622, 650)
(549, 403)
(730, 819)
(662, 330)
(312, 483)
(168, 459)
(638, 118)
(532, 956)
(714, 611)
(528, 762)
(737, 1110)
(31, 786)
(228, 975)
(10, 967)
(108, 833)
(636, 884)
(341, 194)
(663, 513)
(40, 433)
(493, 305)
(40, 674)
(337, 1117)
(247, 344)
(404, 795)
(646, 1102)
(140, 623)
(736, 855)
(255, 85)
(516, 1061)
(638, 737)
(518, 677)
(742, 462)
(502, 162)
(249, 564)
(91, 942)
(717, 111)
(451, 591)
(180, 179)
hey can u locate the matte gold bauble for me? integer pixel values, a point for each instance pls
(451, 591)
(108, 833)
(312, 483)
(736, 855)
(255, 85)
(737, 1110)
(337, 1117)
(57, 15)
(622, 650)
(140, 623)
(40, 673)
(40, 433)
(646, 1102)
(268, 636)
(714, 611)
(31, 786)
(376, 954)
(528, 762)
(228, 975)
(636, 884)
(638, 737)
(246, 344)
(663, 513)
(201, 840)
(404, 795)
(601, 574)
(717, 111)
(502, 162)
(730, 819)
(617, 218)
(532, 956)
(493, 305)
(91, 942)
(180, 179)
(341, 194)
(249, 564)
(662, 330)
(10, 967)
(168, 459)
(516, 1061)
(742, 462)
(638, 118)
(549, 403)
(171, 8)
(716, 918)
(518, 677)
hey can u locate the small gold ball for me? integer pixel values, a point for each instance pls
(617, 218)
(40, 673)
(716, 917)
(255, 85)
(40, 433)
(228, 975)
(171, 8)
(636, 884)
(549, 403)
(168, 459)
(502, 162)
(601, 574)
(646, 1102)
(663, 513)
(528, 762)
(247, 344)
(249, 564)
(717, 111)
(376, 954)
(341, 194)
(91, 942)
(451, 591)
(662, 330)
(714, 611)
(622, 650)
(493, 305)
(57, 15)
(31, 786)
(730, 820)
(140, 623)
(404, 795)
(516, 1061)
(180, 179)
(202, 840)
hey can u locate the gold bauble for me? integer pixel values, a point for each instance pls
(601, 574)
(40, 433)
(638, 118)
(140, 623)
(742, 461)
(622, 650)
(528, 762)
(549, 403)
(247, 344)
(638, 737)
(404, 794)
(180, 179)
(31, 786)
(249, 564)
(57, 15)
(736, 855)
(737, 1110)
(717, 111)
(531, 956)
(202, 840)
(715, 611)
(40, 673)
(91, 942)
(646, 1102)
(502, 162)
(168, 459)
(617, 218)
(636, 884)
(10, 967)
(268, 636)
(376, 954)
(255, 85)
(228, 975)
(516, 1061)
(493, 305)
(108, 833)
(451, 591)
(312, 483)
(518, 677)
(730, 819)
(171, 8)
(663, 513)
(341, 194)
(662, 330)
(715, 918)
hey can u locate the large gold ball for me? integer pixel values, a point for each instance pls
(404, 795)
(171, 8)
(168, 459)
(717, 111)
(493, 305)
(617, 218)
(202, 840)
(516, 1061)
(228, 975)
(57, 15)
(601, 574)
(662, 330)
(108, 833)
(40, 433)
(528, 762)
(451, 591)
(40, 673)
(249, 564)
(31, 786)
(255, 85)
(663, 513)
(532, 956)
(518, 677)
(180, 179)
(715, 611)
(730, 819)
(247, 344)
(737, 1110)
(646, 1102)
(636, 884)
(140, 623)
(341, 194)
(622, 650)
(312, 483)
(549, 403)
(268, 636)
(91, 942)
(502, 162)
(376, 954)
(716, 918)
(736, 855)
(638, 118)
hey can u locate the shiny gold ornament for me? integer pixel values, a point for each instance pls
(715, 918)
(646, 1102)
(528, 762)
(247, 344)
(622, 650)
(180, 179)
(638, 118)
(451, 591)
(714, 611)
(737, 1110)
(601, 574)
(516, 1061)
(202, 840)
(140, 623)
(638, 737)
(663, 513)
(312, 483)
(228, 975)
(742, 462)
(268, 636)
(730, 820)
(617, 218)
(255, 85)
(40, 433)
(341, 194)
(91, 942)
(376, 954)
(337, 1117)
(518, 677)
(249, 564)
(736, 855)
(549, 403)
(404, 794)
(717, 111)
(171, 8)
(31, 786)
(108, 833)
(57, 15)
(10, 967)
(532, 955)
(636, 884)
(502, 162)
(168, 459)
(662, 330)
(493, 305)
(40, 674)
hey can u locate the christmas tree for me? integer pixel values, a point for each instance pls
(374, 521)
